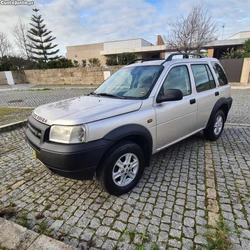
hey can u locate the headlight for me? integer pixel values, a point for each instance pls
(68, 134)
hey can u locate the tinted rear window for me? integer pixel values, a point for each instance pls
(221, 76)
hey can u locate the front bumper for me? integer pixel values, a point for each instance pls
(77, 161)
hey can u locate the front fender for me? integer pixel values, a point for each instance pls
(136, 133)
(128, 131)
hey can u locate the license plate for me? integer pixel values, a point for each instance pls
(34, 154)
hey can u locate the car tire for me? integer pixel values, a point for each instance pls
(121, 168)
(213, 132)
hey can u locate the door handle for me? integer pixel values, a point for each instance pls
(192, 101)
(217, 93)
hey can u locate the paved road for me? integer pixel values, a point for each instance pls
(169, 208)
(34, 98)
(240, 112)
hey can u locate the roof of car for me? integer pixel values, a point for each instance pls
(186, 57)
(169, 62)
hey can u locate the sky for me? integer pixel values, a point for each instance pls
(76, 22)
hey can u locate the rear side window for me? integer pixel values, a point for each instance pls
(220, 74)
(203, 77)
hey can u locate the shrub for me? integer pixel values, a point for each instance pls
(76, 63)
(231, 54)
(121, 59)
(94, 62)
(111, 60)
(84, 63)
(125, 58)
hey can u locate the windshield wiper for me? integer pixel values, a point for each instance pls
(109, 95)
(93, 93)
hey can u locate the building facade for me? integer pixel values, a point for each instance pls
(217, 47)
(141, 48)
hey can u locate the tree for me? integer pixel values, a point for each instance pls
(5, 47)
(246, 48)
(191, 32)
(20, 32)
(41, 40)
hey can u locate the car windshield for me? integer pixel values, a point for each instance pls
(131, 82)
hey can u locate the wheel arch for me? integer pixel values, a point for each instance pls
(223, 104)
(135, 133)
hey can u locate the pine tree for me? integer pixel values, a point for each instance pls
(41, 45)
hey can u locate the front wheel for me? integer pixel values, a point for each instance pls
(213, 132)
(121, 168)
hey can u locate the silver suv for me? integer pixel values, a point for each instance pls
(143, 108)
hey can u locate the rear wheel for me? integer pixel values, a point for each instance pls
(121, 168)
(213, 132)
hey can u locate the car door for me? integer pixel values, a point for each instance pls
(207, 93)
(176, 119)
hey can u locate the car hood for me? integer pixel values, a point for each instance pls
(83, 109)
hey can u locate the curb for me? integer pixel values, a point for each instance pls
(237, 125)
(51, 87)
(12, 126)
(240, 87)
(14, 236)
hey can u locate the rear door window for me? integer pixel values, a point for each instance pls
(203, 77)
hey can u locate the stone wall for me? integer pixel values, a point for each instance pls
(19, 77)
(85, 76)
(3, 80)
(113, 69)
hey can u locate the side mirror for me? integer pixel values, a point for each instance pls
(170, 95)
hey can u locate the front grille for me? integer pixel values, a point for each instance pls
(35, 131)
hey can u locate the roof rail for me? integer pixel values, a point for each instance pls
(185, 55)
(143, 60)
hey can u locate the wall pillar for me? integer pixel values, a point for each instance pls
(245, 73)
(106, 73)
(210, 53)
